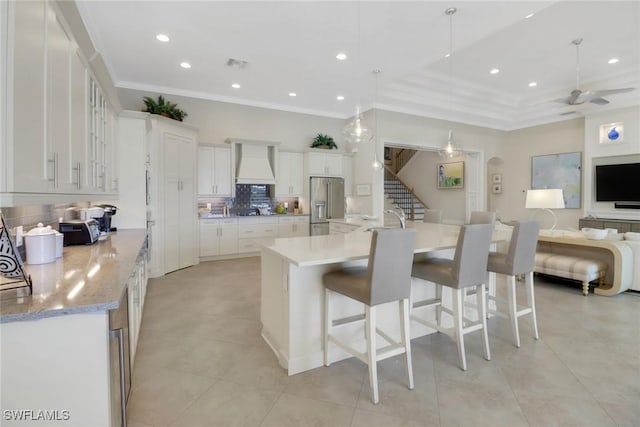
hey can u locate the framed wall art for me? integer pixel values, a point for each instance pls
(450, 175)
(496, 178)
(562, 171)
(496, 188)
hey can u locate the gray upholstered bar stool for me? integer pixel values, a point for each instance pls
(482, 217)
(387, 278)
(519, 259)
(467, 269)
(432, 215)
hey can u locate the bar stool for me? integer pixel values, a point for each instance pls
(519, 259)
(467, 269)
(387, 278)
(482, 217)
(432, 215)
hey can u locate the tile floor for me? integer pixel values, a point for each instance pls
(201, 362)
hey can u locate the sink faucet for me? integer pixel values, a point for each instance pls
(399, 215)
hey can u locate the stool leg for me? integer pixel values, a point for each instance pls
(458, 313)
(370, 326)
(513, 307)
(531, 300)
(439, 306)
(405, 336)
(481, 302)
(327, 324)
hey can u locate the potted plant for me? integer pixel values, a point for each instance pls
(164, 108)
(323, 141)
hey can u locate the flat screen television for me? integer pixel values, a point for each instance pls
(618, 183)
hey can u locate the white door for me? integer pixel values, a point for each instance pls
(474, 183)
(205, 170)
(172, 201)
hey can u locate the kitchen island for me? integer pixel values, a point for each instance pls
(55, 344)
(293, 295)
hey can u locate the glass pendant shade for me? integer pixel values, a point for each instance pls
(357, 131)
(450, 150)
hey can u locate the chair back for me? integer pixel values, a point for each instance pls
(522, 247)
(482, 217)
(432, 215)
(390, 261)
(472, 254)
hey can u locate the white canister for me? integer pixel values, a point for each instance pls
(40, 245)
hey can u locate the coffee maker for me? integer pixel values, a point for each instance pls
(104, 222)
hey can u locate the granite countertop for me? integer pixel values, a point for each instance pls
(86, 279)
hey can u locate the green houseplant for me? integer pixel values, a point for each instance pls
(323, 141)
(164, 108)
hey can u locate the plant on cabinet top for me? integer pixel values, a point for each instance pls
(164, 108)
(323, 141)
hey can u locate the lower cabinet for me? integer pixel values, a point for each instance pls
(250, 229)
(293, 226)
(137, 289)
(218, 237)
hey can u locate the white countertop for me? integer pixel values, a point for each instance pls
(333, 248)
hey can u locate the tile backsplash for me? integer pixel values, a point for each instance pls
(248, 196)
(29, 216)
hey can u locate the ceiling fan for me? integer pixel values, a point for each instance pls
(578, 96)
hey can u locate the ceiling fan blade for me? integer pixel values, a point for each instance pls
(599, 101)
(606, 92)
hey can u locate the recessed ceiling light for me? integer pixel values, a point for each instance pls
(494, 71)
(235, 85)
(533, 84)
(185, 65)
(447, 55)
(613, 61)
(341, 56)
(340, 98)
(529, 16)
(163, 38)
(292, 94)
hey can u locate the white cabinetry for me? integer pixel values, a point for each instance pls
(218, 237)
(293, 226)
(179, 201)
(347, 169)
(45, 141)
(214, 171)
(253, 228)
(324, 164)
(289, 181)
(137, 288)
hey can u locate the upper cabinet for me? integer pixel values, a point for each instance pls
(289, 180)
(56, 126)
(324, 164)
(214, 171)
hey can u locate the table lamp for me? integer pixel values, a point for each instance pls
(545, 199)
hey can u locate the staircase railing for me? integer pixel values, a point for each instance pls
(402, 157)
(411, 213)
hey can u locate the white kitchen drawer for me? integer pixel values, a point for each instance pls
(257, 230)
(247, 245)
(267, 219)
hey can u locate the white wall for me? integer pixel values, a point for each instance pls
(627, 151)
(217, 121)
(518, 148)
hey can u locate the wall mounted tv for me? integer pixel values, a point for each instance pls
(618, 183)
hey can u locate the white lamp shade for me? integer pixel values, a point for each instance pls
(545, 199)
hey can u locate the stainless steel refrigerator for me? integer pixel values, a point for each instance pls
(326, 200)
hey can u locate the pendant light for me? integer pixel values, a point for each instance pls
(377, 164)
(357, 131)
(449, 149)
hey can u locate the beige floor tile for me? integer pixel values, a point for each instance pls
(257, 366)
(363, 418)
(624, 415)
(339, 383)
(299, 411)
(161, 398)
(579, 411)
(212, 358)
(227, 404)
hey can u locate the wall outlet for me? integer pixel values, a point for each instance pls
(19, 234)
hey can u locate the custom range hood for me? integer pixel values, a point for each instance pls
(254, 161)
